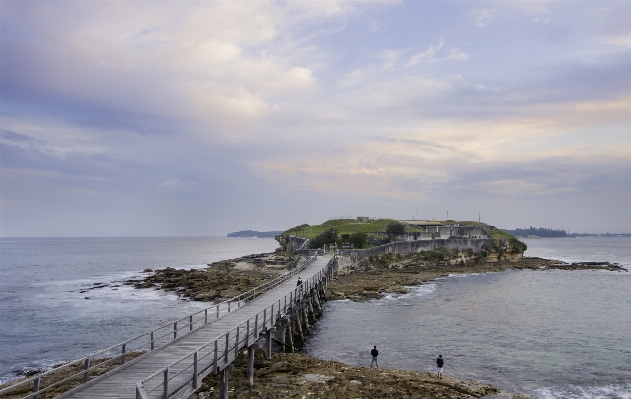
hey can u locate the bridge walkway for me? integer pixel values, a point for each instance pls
(122, 384)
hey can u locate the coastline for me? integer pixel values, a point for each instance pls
(297, 374)
(230, 277)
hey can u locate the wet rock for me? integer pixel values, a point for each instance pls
(300, 376)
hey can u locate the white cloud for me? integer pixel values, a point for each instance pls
(427, 55)
(390, 58)
(483, 17)
(430, 55)
(537, 9)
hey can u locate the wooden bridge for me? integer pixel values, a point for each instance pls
(171, 361)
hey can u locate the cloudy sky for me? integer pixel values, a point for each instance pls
(202, 118)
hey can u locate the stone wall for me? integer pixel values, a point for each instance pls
(444, 232)
(296, 243)
(348, 260)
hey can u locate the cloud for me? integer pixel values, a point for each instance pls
(234, 108)
(208, 63)
(483, 17)
(430, 55)
(427, 55)
(537, 9)
(619, 40)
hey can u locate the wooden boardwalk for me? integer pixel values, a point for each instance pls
(222, 345)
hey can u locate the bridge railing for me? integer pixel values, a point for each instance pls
(115, 357)
(185, 374)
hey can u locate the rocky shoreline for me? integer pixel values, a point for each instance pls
(299, 376)
(394, 277)
(380, 276)
(294, 375)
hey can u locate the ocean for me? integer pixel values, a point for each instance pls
(50, 312)
(547, 334)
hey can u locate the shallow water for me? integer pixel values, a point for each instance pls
(45, 317)
(549, 334)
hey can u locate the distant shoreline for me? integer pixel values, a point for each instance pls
(621, 235)
(254, 234)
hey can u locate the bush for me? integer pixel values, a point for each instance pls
(329, 236)
(379, 240)
(518, 246)
(439, 254)
(395, 229)
(385, 259)
(359, 240)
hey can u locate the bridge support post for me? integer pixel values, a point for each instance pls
(317, 301)
(291, 337)
(299, 324)
(251, 349)
(283, 331)
(268, 343)
(305, 316)
(223, 390)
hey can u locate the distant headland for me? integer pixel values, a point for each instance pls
(254, 234)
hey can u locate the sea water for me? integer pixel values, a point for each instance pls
(548, 334)
(50, 314)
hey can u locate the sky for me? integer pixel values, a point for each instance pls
(202, 118)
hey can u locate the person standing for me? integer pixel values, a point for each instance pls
(374, 353)
(439, 366)
(299, 282)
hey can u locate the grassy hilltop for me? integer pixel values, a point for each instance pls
(345, 226)
(373, 232)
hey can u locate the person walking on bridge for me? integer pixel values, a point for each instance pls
(374, 353)
(439, 366)
(299, 282)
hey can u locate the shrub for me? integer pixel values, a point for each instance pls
(329, 236)
(395, 229)
(359, 240)
(439, 254)
(386, 259)
(379, 240)
(518, 246)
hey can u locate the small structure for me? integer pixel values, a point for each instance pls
(363, 219)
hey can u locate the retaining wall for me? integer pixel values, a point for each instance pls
(348, 259)
(296, 243)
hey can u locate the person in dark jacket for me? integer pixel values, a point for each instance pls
(299, 282)
(439, 366)
(374, 353)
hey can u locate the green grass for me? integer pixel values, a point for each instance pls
(497, 233)
(349, 226)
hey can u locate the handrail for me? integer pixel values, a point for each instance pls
(216, 308)
(304, 266)
(225, 348)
